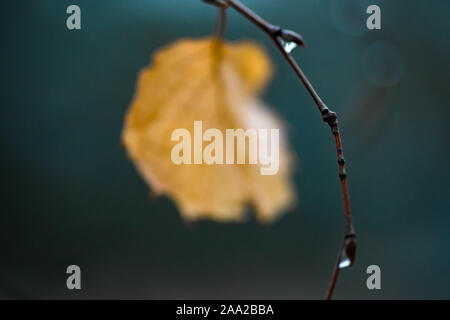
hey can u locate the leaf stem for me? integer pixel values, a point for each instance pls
(221, 24)
(278, 35)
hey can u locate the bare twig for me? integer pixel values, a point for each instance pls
(281, 37)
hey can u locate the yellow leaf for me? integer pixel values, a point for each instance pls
(217, 83)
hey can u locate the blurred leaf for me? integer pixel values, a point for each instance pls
(217, 83)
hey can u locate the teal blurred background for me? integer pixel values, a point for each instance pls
(69, 195)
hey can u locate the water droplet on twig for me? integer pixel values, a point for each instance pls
(289, 46)
(348, 252)
(289, 39)
(344, 263)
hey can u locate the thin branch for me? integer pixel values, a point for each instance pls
(280, 37)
